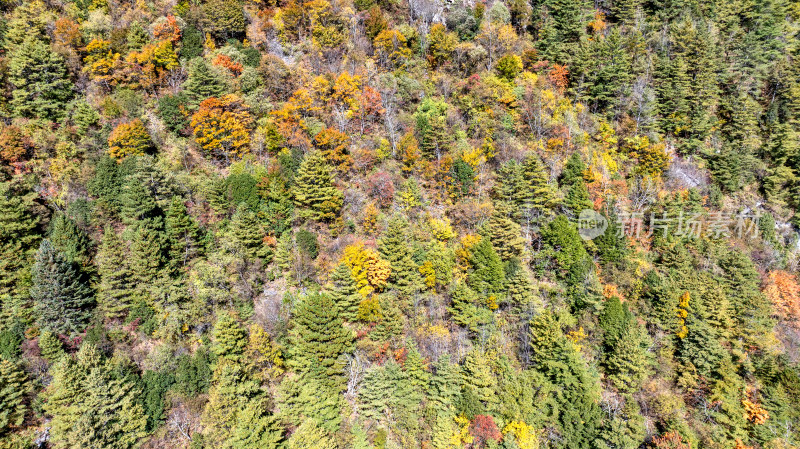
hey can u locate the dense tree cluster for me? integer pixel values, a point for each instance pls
(361, 224)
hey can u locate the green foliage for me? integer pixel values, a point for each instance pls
(40, 85)
(343, 290)
(61, 296)
(307, 243)
(224, 18)
(19, 238)
(13, 389)
(93, 404)
(154, 386)
(487, 275)
(315, 196)
(203, 82)
(115, 288)
(172, 111)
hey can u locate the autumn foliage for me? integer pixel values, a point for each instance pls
(129, 139)
(784, 292)
(222, 127)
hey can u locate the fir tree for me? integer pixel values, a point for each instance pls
(318, 338)
(224, 18)
(314, 193)
(247, 234)
(50, 346)
(230, 338)
(19, 238)
(107, 183)
(115, 289)
(343, 291)
(283, 252)
(62, 299)
(477, 377)
(443, 389)
(487, 275)
(505, 236)
(577, 198)
(231, 390)
(394, 247)
(203, 82)
(40, 85)
(573, 170)
(71, 241)
(182, 234)
(146, 259)
(310, 436)
(13, 389)
(93, 405)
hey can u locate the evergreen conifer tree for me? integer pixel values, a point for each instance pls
(13, 389)
(315, 196)
(40, 84)
(62, 299)
(343, 291)
(19, 238)
(394, 246)
(203, 82)
(115, 289)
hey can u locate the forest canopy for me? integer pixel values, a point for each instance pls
(379, 224)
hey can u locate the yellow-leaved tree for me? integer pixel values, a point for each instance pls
(129, 139)
(370, 272)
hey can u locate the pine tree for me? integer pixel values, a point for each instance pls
(203, 82)
(230, 338)
(231, 390)
(71, 241)
(247, 235)
(255, 428)
(577, 198)
(50, 346)
(19, 238)
(343, 291)
(283, 252)
(183, 234)
(416, 374)
(521, 293)
(107, 183)
(443, 389)
(13, 389)
(40, 85)
(525, 187)
(314, 193)
(577, 392)
(224, 18)
(146, 258)
(136, 202)
(753, 310)
(62, 299)
(94, 404)
(487, 275)
(573, 170)
(394, 247)
(477, 376)
(318, 338)
(505, 236)
(310, 436)
(115, 289)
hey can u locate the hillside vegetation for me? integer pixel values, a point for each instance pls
(380, 224)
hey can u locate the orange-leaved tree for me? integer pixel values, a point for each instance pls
(222, 126)
(784, 292)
